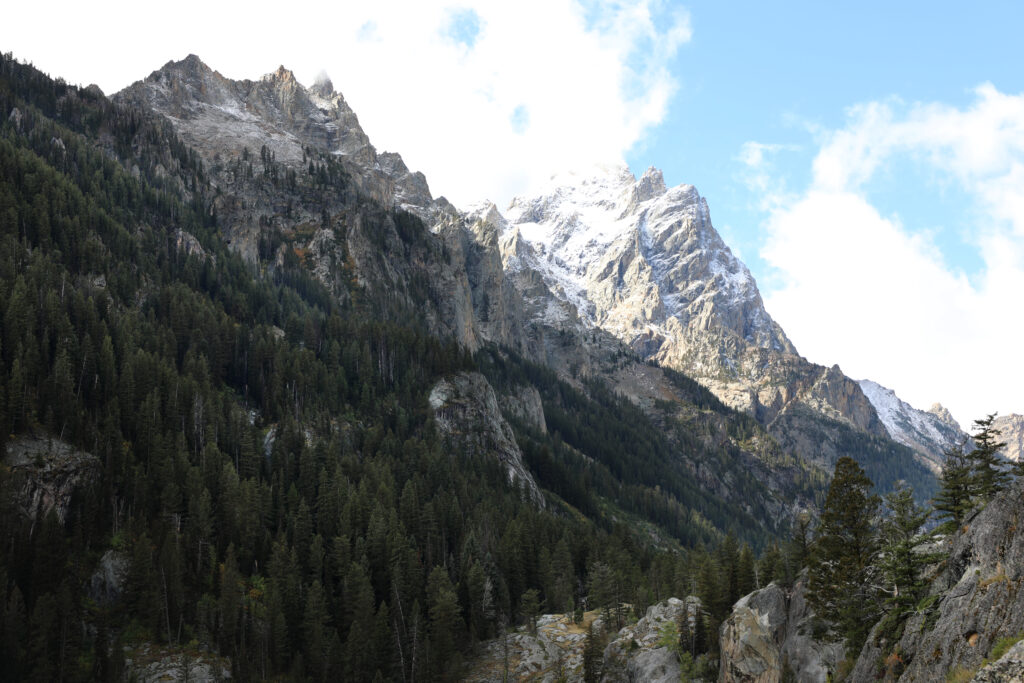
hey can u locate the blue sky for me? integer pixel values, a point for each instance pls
(757, 71)
(866, 160)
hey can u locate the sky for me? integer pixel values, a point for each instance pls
(866, 161)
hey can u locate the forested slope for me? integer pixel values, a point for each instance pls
(267, 463)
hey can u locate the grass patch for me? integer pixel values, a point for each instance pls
(1002, 645)
(960, 675)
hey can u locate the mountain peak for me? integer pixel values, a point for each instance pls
(322, 86)
(281, 75)
(191, 65)
(650, 185)
(940, 411)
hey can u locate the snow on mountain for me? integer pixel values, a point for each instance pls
(929, 433)
(638, 259)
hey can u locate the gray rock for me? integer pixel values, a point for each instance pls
(49, 470)
(633, 654)
(106, 585)
(466, 410)
(150, 663)
(1007, 669)
(769, 631)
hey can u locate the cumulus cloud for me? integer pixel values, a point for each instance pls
(876, 294)
(486, 98)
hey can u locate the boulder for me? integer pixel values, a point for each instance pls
(770, 632)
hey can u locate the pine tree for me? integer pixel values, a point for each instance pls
(445, 621)
(593, 654)
(838, 587)
(529, 607)
(745, 570)
(900, 561)
(953, 501)
(987, 474)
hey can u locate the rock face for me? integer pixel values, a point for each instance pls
(107, 583)
(293, 168)
(555, 653)
(466, 410)
(769, 633)
(1007, 669)
(50, 471)
(150, 663)
(978, 598)
(930, 433)
(634, 654)
(219, 116)
(1012, 428)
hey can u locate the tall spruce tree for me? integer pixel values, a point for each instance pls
(953, 501)
(988, 474)
(841, 559)
(901, 562)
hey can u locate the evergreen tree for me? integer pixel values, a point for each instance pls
(745, 571)
(529, 608)
(593, 654)
(988, 476)
(445, 621)
(901, 563)
(841, 559)
(953, 501)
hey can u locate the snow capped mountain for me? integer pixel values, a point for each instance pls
(644, 263)
(640, 260)
(928, 433)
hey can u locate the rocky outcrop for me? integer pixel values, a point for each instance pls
(769, 633)
(106, 585)
(1007, 669)
(555, 651)
(524, 403)
(634, 654)
(976, 598)
(49, 471)
(150, 663)
(466, 410)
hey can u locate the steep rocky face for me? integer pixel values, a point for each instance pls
(466, 410)
(49, 471)
(977, 599)
(555, 652)
(221, 117)
(295, 173)
(634, 654)
(1007, 669)
(1012, 433)
(930, 433)
(768, 635)
(642, 262)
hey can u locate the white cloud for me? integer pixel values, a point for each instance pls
(487, 98)
(860, 288)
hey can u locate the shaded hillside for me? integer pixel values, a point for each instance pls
(268, 468)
